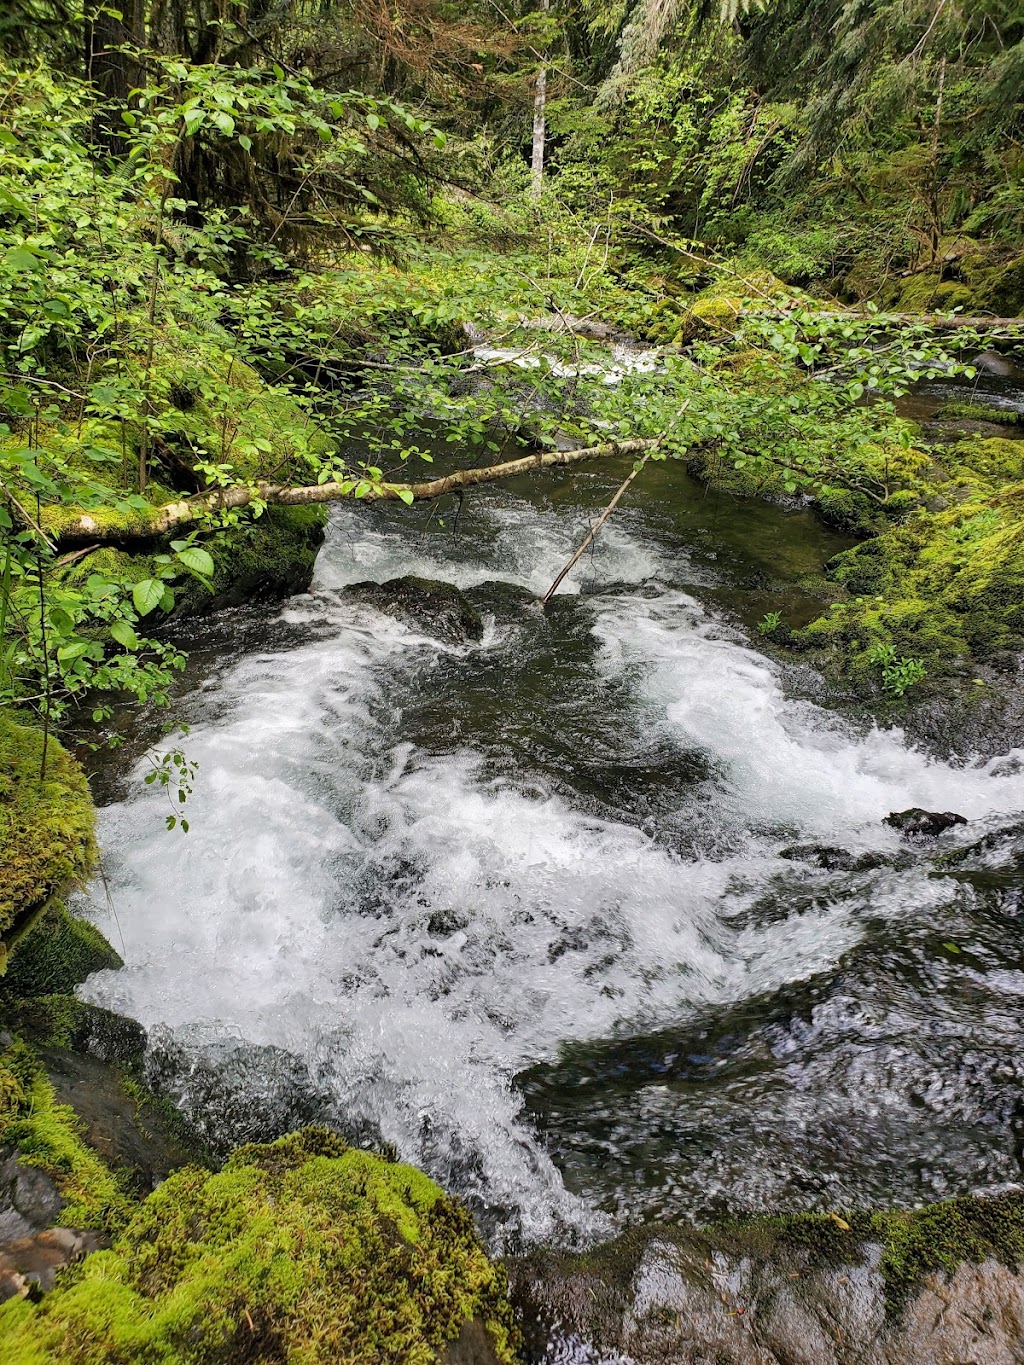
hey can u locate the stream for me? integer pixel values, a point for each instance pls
(549, 912)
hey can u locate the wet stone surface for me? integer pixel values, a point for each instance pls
(682, 1301)
(32, 1250)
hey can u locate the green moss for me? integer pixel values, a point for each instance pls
(944, 584)
(56, 953)
(46, 1134)
(979, 412)
(64, 1021)
(303, 1250)
(46, 821)
(942, 1237)
(915, 1242)
(269, 557)
(928, 293)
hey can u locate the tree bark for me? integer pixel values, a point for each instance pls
(539, 124)
(84, 529)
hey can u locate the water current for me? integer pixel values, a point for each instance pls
(550, 912)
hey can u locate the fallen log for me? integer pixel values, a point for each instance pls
(937, 321)
(152, 524)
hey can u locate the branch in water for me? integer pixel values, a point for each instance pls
(86, 529)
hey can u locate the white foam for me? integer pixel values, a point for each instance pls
(418, 932)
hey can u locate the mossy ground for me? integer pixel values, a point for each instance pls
(46, 821)
(303, 1250)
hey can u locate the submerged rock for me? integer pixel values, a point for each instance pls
(439, 609)
(929, 1287)
(918, 821)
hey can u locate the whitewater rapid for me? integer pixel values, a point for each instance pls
(416, 928)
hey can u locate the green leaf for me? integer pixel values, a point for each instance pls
(122, 632)
(199, 561)
(373, 122)
(224, 122)
(68, 653)
(406, 495)
(147, 595)
(20, 259)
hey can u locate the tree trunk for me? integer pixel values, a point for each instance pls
(83, 529)
(539, 124)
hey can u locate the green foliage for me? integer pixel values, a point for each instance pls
(898, 674)
(305, 1250)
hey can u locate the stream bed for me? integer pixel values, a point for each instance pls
(594, 918)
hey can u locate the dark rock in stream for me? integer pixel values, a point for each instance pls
(439, 609)
(938, 1286)
(836, 859)
(918, 821)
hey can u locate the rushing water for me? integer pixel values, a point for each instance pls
(521, 908)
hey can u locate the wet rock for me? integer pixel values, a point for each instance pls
(821, 855)
(31, 1250)
(918, 821)
(991, 362)
(29, 1200)
(132, 1131)
(838, 859)
(33, 1261)
(437, 608)
(761, 1295)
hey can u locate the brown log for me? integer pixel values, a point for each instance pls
(86, 529)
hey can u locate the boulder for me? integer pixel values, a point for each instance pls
(918, 821)
(437, 609)
(302, 1249)
(935, 1286)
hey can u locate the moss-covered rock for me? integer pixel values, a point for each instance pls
(929, 293)
(47, 1134)
(303, 1250)
(54, 954)
(46, 821)
(946, 584)
(913, 1287)
(65, 1022)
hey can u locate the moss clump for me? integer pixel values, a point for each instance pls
(979, 412)
(46, 1134)
(928, 293)
(946, 584)
(303, 1250)
(46, 821)
(55, 953)
(942, 1237)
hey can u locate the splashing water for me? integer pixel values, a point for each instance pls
(421, 873)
